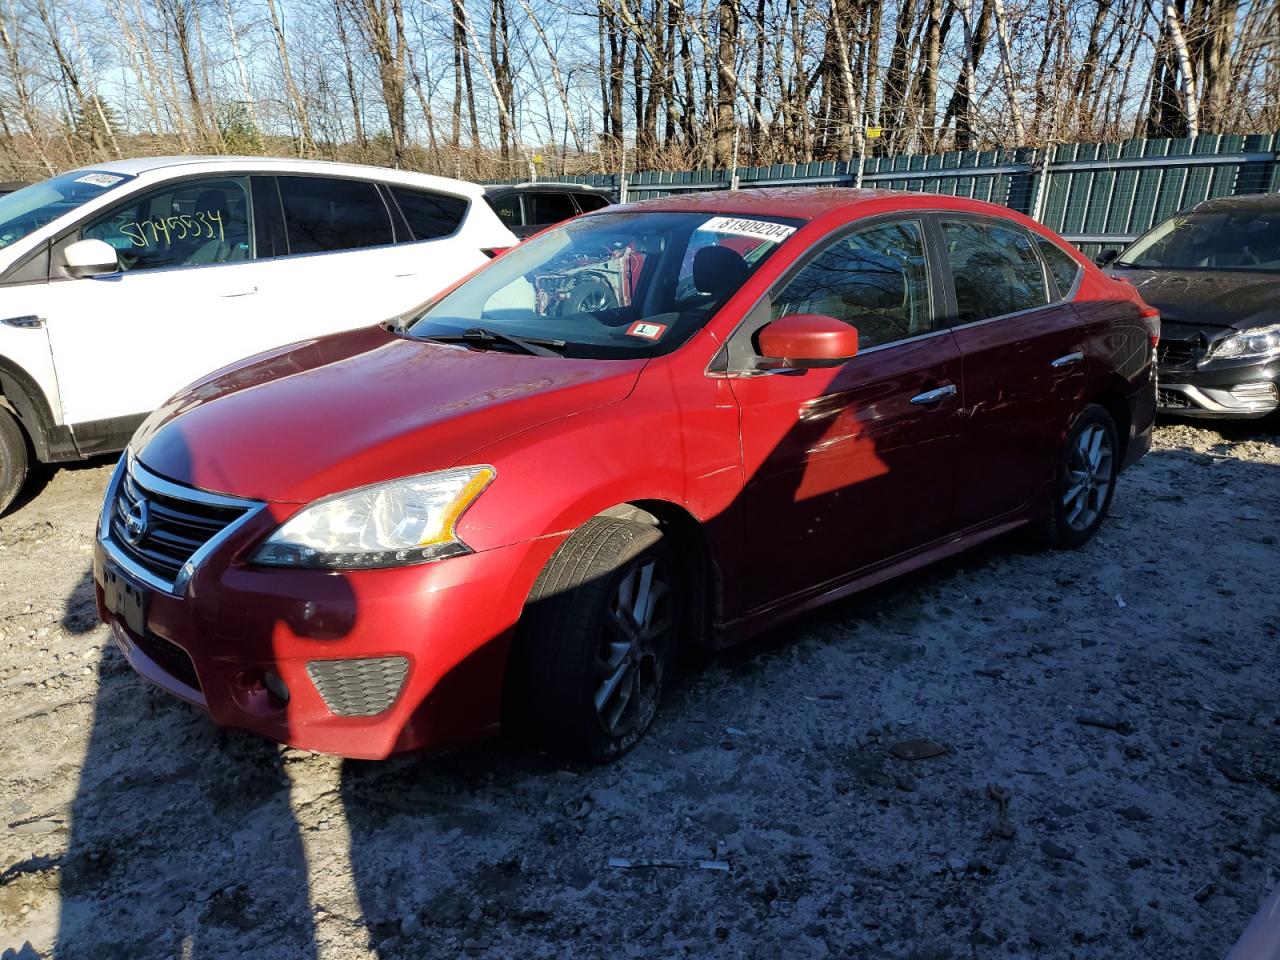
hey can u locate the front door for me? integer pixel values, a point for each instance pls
(847, 467)
(187, 300)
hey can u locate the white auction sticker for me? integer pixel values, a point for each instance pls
(650, 331)
(741, 227)
(99, 179)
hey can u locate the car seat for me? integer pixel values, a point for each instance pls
(234, 242)
(719, 272)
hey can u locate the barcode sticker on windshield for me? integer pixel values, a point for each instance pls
(99, 179)
(650, 331)
(760, 229)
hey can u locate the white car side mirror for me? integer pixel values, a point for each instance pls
(90, 258)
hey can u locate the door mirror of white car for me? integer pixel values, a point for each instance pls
(90, 258)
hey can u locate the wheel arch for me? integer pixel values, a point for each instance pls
(695, 553)
(1112, 399)
(22, 396)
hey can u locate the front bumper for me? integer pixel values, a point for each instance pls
(1247, 400)
(1240, 389)
(437, 635)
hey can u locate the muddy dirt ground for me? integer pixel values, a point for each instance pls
(1108, 786)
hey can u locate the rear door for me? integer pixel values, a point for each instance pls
(850, 467)
(1022, 345)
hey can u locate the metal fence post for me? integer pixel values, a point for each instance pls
(1042, 185)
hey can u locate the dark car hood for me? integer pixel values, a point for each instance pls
(1218, 298)
(356, 408)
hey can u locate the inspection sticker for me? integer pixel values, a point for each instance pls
(99, 179)
(650, 331)
(760, 229)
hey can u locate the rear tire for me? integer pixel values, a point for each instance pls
(595, 642)
(13, 459)
(1085, 481)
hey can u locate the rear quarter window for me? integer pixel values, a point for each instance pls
(1063, 267)
(430, 215)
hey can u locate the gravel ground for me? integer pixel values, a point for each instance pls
(1105, 784)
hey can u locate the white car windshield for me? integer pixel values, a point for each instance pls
(609, 285)
(27, 210)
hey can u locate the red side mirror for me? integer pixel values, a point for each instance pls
(808, 340)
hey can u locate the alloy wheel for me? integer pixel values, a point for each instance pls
(632, 654)
(1089, 476)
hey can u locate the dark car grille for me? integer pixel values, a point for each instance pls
(1174, 399)
(175, 527)
(169, 657)
(1177, 353)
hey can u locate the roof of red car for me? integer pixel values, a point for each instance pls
(806, 202)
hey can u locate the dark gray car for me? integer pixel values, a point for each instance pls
(1213, 272)
(526, 208)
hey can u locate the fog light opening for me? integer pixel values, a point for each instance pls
(275, 686)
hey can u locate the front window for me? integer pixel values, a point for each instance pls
(1222, 240)
(187, 224)
(25, 211)
(611, 285)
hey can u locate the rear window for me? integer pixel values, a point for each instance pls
(430, 215)
(589, 201)
(325, 214)
(551, 207)
(995, 269)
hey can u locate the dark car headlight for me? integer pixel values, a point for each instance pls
(1259, 344)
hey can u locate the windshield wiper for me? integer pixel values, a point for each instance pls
(484, 338)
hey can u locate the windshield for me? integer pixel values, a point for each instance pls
(27, 210)
(1235, 240)
(611, 285)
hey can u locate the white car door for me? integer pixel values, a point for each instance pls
(187, 299)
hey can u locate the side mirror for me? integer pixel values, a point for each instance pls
(1105, 257)
(90, 258)
(806, 340)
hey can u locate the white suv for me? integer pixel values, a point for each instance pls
(123, 282)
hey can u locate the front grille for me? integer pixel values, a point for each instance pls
(358, 688)
(169, 657)
(1174, 399)
(1177, 353)
(167, 528)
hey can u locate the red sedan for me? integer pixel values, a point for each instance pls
(680, 421)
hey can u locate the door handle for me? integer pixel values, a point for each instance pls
(240, 293)
(933, 396)
(29, 322)
(1068, 360)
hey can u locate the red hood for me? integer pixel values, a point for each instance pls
(327, 415)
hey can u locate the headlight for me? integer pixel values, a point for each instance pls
(1251, 345)
(404, 521)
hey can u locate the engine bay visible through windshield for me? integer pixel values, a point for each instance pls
(612, 285)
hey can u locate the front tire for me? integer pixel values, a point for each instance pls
(595, 642)
(13, 459)
(1086, 479)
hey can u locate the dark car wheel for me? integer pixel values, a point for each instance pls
(589, 296)
(595, 642)
(1086, 479)
(13, 459)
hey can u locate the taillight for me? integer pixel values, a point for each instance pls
(1153, 327)
(492, 252)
